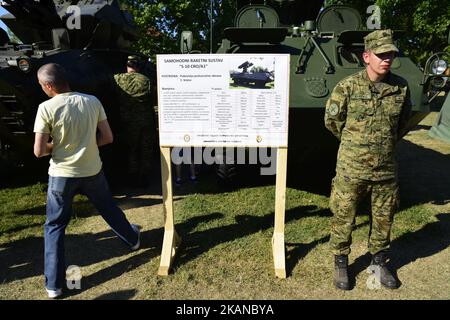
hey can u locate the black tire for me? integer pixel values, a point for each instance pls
(226, 175)
(260, 84)
(225, 169)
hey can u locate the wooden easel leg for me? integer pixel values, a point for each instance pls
(278, 245)
(171, 239)
(171, 243)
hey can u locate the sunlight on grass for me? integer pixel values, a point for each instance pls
(24, 208)
(226, 251)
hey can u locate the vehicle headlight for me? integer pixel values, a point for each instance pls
(438, 67)
(438, 82)
(24, 64)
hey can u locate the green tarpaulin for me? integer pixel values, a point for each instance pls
(441, 128)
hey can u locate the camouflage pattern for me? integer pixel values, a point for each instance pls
(138, 120)
(346, 194)
(134, 58)
(134, 62)
(379, 41)
(369, 120)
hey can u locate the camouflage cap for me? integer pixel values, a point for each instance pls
(134, 58)
(380, 41)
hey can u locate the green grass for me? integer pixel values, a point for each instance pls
(226, 250)
(22, 210)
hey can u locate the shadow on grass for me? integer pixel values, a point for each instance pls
(423, 175)
(429, 240)
(118, 295)
(115, 271)
(20, 228)
(197, 243)
(300, 250)
(296, 251)
(24, 258)
(151, 241)
(84, 208)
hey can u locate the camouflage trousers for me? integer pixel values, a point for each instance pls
(140, 142)
(346, 194)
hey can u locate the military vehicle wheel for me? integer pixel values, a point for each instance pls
(260, 84)
(226, 174)
(226, 168)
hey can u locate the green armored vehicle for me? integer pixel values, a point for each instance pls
(90, 38)
(325, 46)
(437, 72)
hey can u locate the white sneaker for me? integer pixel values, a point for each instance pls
(136, 229)
(52, 294)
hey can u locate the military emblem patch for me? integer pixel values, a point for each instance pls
(316, 87)
(333, 109)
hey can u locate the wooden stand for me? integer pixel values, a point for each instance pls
(171, 240)
(278, 246)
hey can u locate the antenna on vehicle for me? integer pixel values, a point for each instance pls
(211, 27)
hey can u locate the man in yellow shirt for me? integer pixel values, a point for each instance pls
(77, 124)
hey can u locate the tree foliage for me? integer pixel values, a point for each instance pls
(258, 69)
(425, 23)
(160, 23)
(12, 37)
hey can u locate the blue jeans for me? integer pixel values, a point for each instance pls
(60, 195)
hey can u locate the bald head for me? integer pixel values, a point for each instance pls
(53, 77)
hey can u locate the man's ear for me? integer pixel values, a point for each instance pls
(365, 56)
(49, 86)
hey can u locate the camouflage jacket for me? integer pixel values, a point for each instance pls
(133, 90)
(368, 120)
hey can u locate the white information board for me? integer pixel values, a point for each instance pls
(223, 100)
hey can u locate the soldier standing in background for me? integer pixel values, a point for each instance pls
(138, 121)
(368, 113)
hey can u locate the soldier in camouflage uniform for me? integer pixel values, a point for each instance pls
(368, 113)
(138, 121)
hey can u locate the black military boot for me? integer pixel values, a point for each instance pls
(341, 272)
(379, 260)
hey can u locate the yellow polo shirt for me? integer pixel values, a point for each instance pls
(71, 119)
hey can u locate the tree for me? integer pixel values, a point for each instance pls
(258, 69)
(12, 37)
(160, 23)
(425, 23)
